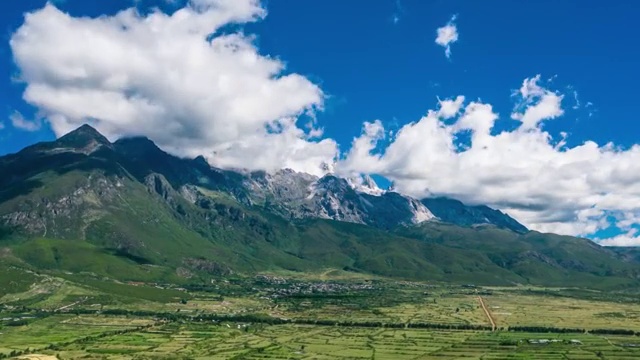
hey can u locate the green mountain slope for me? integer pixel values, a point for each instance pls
(535, 257)
(129, 211)
(629, 254)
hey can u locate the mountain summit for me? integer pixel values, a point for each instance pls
(82, 137)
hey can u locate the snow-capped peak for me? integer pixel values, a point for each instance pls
(365, 184)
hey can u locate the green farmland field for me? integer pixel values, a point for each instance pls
(315, 317)
(246, 341)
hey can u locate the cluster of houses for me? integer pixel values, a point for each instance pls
(552, 341)
(282, 287)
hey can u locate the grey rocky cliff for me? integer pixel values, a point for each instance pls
(298, 195)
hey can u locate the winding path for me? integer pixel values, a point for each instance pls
(70, 305)
(487, 313)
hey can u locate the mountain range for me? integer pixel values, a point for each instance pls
(130, 211)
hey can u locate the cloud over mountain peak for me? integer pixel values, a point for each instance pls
(175, 78)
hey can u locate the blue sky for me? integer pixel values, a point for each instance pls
(378, 60)
(378, 69)
(375, 68)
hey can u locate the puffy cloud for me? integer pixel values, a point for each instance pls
(546, 104)
(450, 107)
(175, 78)
(361, 148)
(447, 35)
(525, 172)
(479, 118)
(288, 147)
(631, 238)
(19, 122)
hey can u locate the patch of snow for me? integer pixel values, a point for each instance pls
(313, 191)
(334, 202)
(366, 185)
(421, 213)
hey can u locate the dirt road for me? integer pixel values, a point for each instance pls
(486, 312)
(70, 305)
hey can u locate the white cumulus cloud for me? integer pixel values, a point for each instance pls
(630, 238)
(526, 172)
(450, 107)
(539, 103)
(176, 79)
(447, 35)
(19, 122)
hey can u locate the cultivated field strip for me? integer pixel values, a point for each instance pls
(515, 310)
(184, 340)
(249, 320)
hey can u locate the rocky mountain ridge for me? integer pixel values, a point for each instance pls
(129, 210)
(298, 195)
(285, 192)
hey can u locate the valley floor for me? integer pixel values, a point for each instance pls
(65, 316)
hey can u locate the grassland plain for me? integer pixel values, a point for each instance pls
(327, 315)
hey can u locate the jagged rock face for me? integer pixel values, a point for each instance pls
(298, 195)
(294, 195)
(282, 187)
